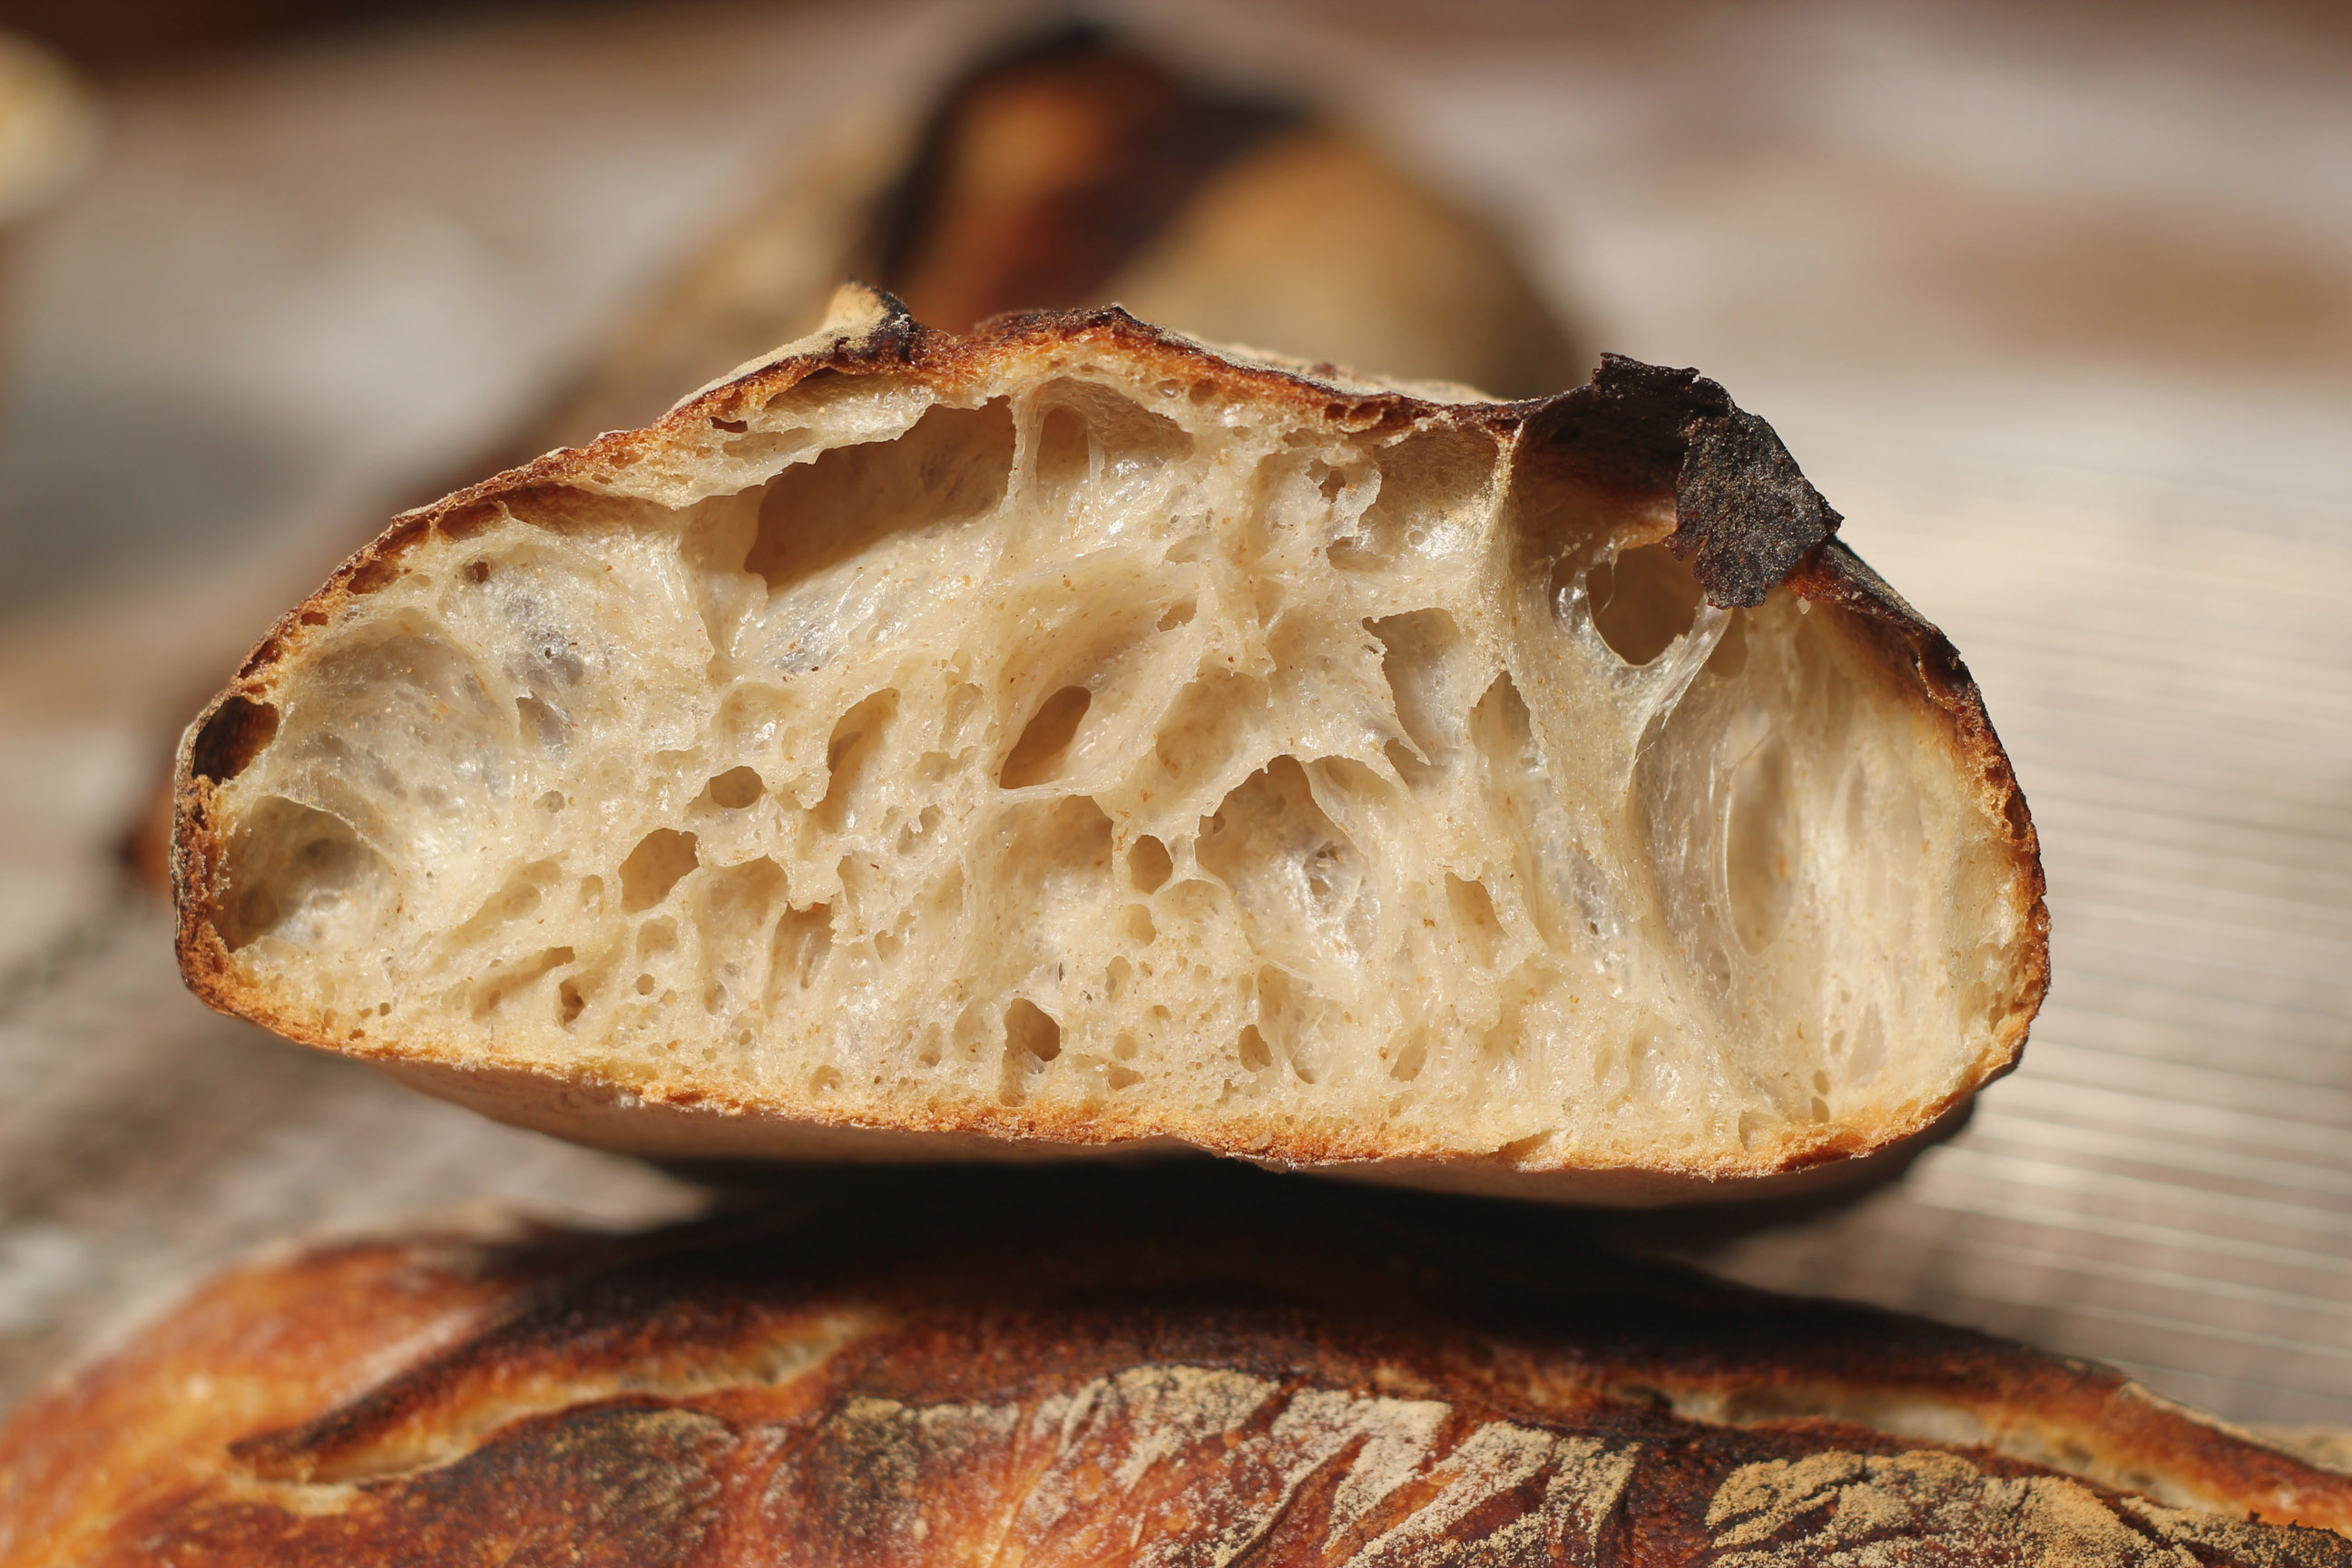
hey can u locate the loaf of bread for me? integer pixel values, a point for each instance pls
(1073, 735)
(1078, 167)
(1215, 1367)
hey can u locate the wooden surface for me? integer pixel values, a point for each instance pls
(2058, 310)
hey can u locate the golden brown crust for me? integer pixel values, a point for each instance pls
(1747, 522)
(1167, 1366)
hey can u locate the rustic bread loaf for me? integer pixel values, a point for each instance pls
(1072, 733)
(1079, 167)
(1188, 1370)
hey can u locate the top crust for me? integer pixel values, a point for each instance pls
(1745, 524)
(1163, 1369)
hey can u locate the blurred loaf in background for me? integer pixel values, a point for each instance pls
(1075, 168)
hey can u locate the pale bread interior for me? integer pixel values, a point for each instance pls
(1084, 751)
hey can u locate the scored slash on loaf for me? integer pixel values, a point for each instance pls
(1197, 1366)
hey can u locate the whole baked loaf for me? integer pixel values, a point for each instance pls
(1075, 734)
(1190, 1367)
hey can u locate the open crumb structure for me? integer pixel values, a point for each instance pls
(1070, 732)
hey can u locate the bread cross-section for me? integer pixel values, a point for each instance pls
(1073, 736)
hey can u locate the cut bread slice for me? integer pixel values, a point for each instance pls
(1072, 733)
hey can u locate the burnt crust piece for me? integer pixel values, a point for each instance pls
(1196, 1365)
(1744, 514)
(1746, 521)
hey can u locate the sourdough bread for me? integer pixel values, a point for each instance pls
(1048, 1369)
(1079, 167)
(1073, 735)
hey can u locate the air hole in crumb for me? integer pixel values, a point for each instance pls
(540, 723)
(954, 464)
(1037, 755)
(1064, 453)
(1149, 864)
(592, 894)
(570, 1004)
(856, 740)
(1820, 1111)
(1177, 615)
(645, 984)
(1418, 775)
(1297, 876)
(1253, 1052)
(1408, 1063)
(1821, 1080)
(1730, 655)
(552, 801)
(1760, 843)
(1475, 917)
(506, 979)
(653, 868)
(1418, 648)
(798, 949)
(1140, 928)
(1032, 1038)
(1642, 602)
(298, 873)
(732, 426)
(736, 789)
(1089, 428)
(235, 734)
(1031, 1030)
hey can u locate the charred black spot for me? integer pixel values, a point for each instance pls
(1627, 426)
(235, 734)
(1746, 514)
